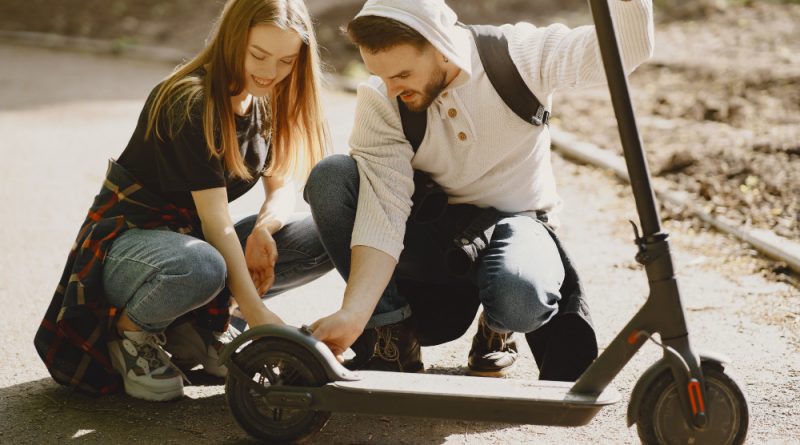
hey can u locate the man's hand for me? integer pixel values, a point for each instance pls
(261, 254)
(338, 330)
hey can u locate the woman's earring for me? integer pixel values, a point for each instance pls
(446, 60)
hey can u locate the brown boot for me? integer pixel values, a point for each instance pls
(392, 347)
(493, 354)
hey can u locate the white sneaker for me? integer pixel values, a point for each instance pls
(144, 366)
(191, 346)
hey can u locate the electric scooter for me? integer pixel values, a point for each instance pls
(283, 383)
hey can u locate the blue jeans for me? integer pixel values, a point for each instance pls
(159, 275)
(518, 275)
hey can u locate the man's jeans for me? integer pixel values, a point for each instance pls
(518, 275)
(159, 275)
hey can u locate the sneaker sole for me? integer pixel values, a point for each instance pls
(496, 373)
(134, 389)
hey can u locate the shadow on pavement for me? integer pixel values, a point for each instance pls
(357, 430)
(42, 411)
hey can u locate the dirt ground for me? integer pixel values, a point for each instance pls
(719, 110)
(718, 107)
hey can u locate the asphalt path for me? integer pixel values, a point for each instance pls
(63, 115)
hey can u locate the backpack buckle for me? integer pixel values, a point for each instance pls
(542, 117)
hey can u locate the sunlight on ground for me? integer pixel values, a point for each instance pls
(81, 433)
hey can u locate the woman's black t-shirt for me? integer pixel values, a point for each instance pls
(180, 164)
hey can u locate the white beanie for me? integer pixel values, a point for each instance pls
(431, 18)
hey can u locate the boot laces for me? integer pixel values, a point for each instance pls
(386, 345)
(495, 341)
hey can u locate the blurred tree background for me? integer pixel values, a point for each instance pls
(184, 24)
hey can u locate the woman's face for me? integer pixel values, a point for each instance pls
(271, 55)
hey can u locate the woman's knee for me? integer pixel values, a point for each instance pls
(206, 269)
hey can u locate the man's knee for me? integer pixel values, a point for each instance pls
(520, 305)
(331, 180)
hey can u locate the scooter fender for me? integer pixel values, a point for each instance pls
(653, 372)
(299, 336)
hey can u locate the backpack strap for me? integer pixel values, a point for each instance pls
(504, 75)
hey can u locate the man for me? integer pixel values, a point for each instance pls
(480, 153)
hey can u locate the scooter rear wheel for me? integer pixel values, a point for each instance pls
(274, 362)
(661, 420)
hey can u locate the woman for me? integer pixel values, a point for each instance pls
(159, 242)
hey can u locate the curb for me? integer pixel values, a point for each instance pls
(766, 242)
(93, 46)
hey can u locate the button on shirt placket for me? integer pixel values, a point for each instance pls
(449, 111)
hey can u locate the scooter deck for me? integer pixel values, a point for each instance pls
(450, 397)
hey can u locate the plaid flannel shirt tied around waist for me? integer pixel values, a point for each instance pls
(71, 339)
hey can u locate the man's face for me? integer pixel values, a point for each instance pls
(416, 76)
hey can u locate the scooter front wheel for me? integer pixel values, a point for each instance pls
(661, 420)
(273, 362)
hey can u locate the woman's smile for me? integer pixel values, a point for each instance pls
(261, 81)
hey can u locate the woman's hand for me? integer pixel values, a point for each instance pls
(261, 255)
(218, 229)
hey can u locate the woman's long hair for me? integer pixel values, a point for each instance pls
(299, 137)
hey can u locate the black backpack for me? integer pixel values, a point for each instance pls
(502, 73)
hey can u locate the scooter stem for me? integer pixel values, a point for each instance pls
(653, 245)
(623, 109)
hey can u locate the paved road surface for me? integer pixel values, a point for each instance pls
(62, 115)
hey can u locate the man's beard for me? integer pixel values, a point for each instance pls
(435, 86)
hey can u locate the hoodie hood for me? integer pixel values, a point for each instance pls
(431, 18)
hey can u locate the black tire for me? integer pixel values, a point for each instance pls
(250, 409)
(662, 422)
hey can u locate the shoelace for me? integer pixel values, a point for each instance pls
(152, 350)
(385, 346)
(493, 337)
